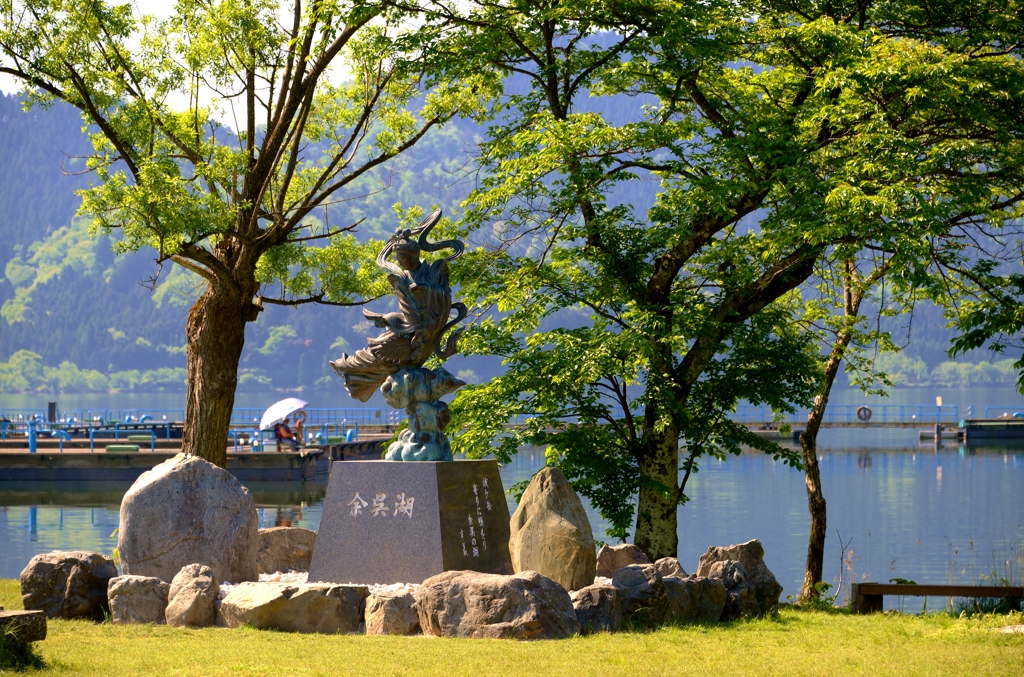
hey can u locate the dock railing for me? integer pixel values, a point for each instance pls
(245, 417)
(851, 414)
(1004, 412)
(855, 414)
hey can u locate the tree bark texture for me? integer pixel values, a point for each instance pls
(656, 520)
(215, 332)
(815, 504)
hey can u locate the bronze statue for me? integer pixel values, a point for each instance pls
(410, 337)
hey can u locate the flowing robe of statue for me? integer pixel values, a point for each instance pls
(410, 336)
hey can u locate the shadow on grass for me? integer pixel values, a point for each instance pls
(817, 607)
(642, 623)
(18, 656)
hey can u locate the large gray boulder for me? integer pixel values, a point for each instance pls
(392, 613)
(472, 604)
(185, 511)
(551, 533)
(611, 558)
(138, 599)
(192, 599)
(642, 595)
(285, 549)
(317, 607)
(69, 584)
(750, 555)
(695, 600)
(597, 608)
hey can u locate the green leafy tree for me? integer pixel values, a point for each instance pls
(931, 267)
(775, 133)
(835, 315)
(220, 142)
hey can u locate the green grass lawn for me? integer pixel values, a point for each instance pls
(796, 643)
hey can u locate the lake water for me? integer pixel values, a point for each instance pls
(906, 510)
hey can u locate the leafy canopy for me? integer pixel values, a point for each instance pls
(770, 136)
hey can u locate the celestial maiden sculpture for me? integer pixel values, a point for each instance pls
(393, 362)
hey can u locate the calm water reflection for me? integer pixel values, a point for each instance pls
(916, 513)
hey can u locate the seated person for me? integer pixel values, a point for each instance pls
(283, 435)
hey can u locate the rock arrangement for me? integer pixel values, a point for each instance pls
(598, 608)
(638, 595)
(551, 533)
(527, 605)
(695, 600)
(187, 510)
(669, 567)
(551, 545)
(642, 594)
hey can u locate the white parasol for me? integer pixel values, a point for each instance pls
(278, 411)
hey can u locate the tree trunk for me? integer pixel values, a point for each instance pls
(215, 332)
(809, 442)
(815, 501)
(657, 516)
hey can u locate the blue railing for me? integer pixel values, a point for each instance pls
(834, 413)
(1004, 412)
(22, 415)
(318, 416)
(151, 415)
(97, 416)
(855, 413)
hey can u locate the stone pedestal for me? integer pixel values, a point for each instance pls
(23, 626)
(388, 522)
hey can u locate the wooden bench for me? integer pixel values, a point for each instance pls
(867, 597)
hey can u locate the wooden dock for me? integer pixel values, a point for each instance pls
(76, 464)
(988, 430)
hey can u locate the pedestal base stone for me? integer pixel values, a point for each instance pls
(386, 522)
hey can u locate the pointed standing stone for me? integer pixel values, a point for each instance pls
(551, 533)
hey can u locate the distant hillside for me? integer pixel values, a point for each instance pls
(65, 298)
(73, 317)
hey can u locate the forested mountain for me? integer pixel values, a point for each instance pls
(66, 298)
(75, 317)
